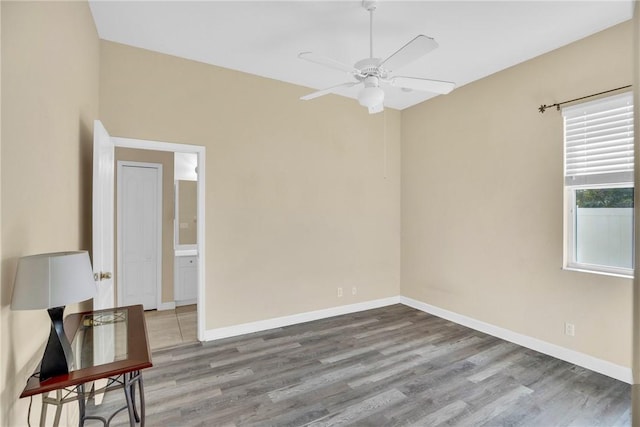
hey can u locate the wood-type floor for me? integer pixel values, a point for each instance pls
(169, 328)
(393, 366)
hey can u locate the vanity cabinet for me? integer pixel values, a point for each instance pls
(186, 286)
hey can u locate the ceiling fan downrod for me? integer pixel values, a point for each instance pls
(370, 5)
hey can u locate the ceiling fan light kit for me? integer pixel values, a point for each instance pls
(371, 72)
(371, 95)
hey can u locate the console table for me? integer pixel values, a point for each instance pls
(109, 346)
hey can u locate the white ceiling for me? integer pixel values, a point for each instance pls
(476, 38)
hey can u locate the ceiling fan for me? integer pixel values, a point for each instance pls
(372, 72)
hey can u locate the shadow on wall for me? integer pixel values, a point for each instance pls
(32, 344)
(85, 182)
(7, 397)
(13, 322)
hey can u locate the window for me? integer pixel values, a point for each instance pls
(598, 170)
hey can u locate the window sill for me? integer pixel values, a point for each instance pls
(601, 272)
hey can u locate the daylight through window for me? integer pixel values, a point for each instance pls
(598, 164)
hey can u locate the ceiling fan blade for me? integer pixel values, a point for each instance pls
(327, 62)
(419, 46)
(327, 91)
(425, 85)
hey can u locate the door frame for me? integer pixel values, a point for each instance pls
(200, 151)
(159, 191)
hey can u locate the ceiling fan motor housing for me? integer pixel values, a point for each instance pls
(371, 81)
(370, 5)
(369, 67)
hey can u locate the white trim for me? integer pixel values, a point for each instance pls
(143, 144)
(200, 304)
(186, 302)
(159, 211)
(186, 252)
(166, 306)
(176, 212)
(603, 271)
(621, 373)
(278, 322)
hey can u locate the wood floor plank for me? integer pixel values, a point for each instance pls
(393, 366)
(442, 415)
(360, 410)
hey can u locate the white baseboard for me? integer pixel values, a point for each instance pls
(186, 302)
(604, 367)
(278, 322)
(166, 306)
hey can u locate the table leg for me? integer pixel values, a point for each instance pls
(142, 411)
(81, 405)
(58, 402)
(128, 385)
(48, 401)
(134, 378)
(43, 411)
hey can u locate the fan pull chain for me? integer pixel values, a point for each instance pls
(384, 144)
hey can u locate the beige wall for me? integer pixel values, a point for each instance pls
(166, 160)
(50, 67)
(187, 212)
(301, 197)
(305, 197)
(482, 202)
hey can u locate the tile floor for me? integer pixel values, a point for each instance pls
(169, 328)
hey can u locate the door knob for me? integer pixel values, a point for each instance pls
(101, 276)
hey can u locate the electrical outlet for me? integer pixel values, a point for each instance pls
(569, 329)
(354, 290)
(339, 292)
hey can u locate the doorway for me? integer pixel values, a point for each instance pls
(103, 229)
(199, 152)
(139, 234)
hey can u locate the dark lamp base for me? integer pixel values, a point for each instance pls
(58, 357)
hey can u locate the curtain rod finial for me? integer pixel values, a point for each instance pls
(542, 108)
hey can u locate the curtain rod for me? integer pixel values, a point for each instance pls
(543, 108)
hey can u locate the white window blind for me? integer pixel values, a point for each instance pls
(598, 139)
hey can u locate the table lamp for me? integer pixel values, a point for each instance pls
(52, 281)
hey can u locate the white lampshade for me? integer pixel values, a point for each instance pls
(52, 280)
(371, 96)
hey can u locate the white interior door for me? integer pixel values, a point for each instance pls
(103, 230)
(103, 249)
(139, 233)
